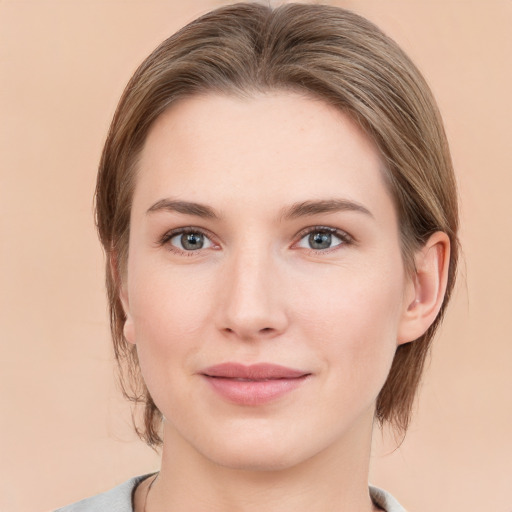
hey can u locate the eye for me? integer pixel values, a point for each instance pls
(188, 240)
(320, 239)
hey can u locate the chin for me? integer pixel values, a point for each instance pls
(258, 449)
(254, 459)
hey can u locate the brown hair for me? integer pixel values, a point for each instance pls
(327, 52)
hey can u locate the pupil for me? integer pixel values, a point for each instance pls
(192, 241)
(320, 240)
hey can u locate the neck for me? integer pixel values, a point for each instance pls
(333, 479)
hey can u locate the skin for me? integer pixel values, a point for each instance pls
(258, 292)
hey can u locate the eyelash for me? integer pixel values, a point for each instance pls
(345, 238)
(183, 231)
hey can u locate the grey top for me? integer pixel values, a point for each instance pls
(119, 499)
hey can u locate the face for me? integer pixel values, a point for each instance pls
(265, 286)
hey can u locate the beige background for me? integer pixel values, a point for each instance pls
(65, 431)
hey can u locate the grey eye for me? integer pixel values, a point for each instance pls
(191, 241)
(320, 240)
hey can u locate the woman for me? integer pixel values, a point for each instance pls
(278, 207)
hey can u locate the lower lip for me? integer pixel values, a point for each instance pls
(253, 392)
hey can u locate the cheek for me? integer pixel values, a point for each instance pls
(351, 319)
(367, 297)
(164, 300)
(169, 313)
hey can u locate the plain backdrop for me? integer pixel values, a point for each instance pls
(65, 429)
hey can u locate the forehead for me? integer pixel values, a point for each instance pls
(267, 149)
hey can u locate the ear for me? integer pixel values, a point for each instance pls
(121, 285)
(425, 292)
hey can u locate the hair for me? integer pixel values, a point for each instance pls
(323, 51)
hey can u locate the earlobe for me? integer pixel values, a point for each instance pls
(128, 329)
(428, 287)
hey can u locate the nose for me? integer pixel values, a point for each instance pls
(251, 301)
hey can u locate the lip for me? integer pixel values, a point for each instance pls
(254, 384)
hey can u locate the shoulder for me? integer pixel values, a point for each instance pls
(118, 499)
(384, 500)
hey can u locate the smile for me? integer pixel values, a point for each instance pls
(254, 384)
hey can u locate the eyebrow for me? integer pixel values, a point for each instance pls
(306, 208)
(302, 209)
(185, 207)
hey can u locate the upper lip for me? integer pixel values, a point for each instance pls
(259, 371)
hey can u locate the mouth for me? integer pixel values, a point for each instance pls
(255, 384)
